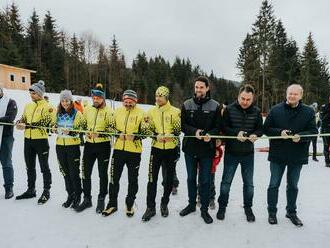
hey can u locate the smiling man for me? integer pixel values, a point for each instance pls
(289, 119)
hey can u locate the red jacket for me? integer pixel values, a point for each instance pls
(216, 159)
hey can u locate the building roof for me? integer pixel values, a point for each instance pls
(13, 67)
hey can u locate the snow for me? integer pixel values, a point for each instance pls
(26, 224)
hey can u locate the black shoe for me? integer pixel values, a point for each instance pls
(76, 201)
(206, 217)
(164, 210)
(30, 193)
(315, 159)
(9, 193)
(294, 219)
(272, 219)
(44, 197)
(221, 213)
(87, 203)
(148, 214)
(188, 210)
(249, 215)
(68, 201)
(100, 205)
(109, 211)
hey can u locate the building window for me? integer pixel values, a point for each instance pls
(23, 79)
(12, 77)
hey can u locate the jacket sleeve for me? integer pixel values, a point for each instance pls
(11, 112)
(259, 128)
(218, 122)
(177, 124)
(269, 128)
(309, 129)
(186, 128)
(228, 130)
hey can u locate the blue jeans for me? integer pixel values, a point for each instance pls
(5, 159)
(204, 171)
(293, 174)
(230, 165)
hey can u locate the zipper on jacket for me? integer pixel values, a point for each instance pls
(32, 119)
(97, 112)
(125, 129)
(163, 128)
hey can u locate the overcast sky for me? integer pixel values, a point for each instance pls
(209, 32)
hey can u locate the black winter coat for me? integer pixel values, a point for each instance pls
(300, 120)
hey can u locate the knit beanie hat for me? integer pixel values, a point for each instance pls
(66, 95)
(163, 91)
(98, 91)
(130, 94)
(38, 88)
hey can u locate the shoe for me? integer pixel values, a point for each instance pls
(9, 193)
(164, 210)
(148, 214)
(272, 219)
(87, 203)
(100, 205)
(315, 159)
(30, 193)
(109, 211)
(221, 213)
(174, 191)
(76, 202)
(294, 219)
(44, 197)
(129, 211)
(188, 210)
(206, 217)
(68, 201)
(212, 204)
(249, 215)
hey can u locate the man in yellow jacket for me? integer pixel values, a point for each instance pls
(130, 128)
(164, 124)
(37, 116)
(99, 118)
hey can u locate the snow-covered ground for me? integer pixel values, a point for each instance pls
(26, 224)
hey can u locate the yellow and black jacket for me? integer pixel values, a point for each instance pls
(99, 120)
(37, 114)
(164, 120)
(76, 122)
(130, 122)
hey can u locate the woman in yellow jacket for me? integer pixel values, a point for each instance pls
(99, 118)
(37, 117)
(164, 124)
(68, 147)
(127, 150)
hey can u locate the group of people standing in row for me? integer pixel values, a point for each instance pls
(201, 119)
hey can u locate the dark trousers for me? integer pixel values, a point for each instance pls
(204, 171)
(118, 161)
(175, 177)
(6, 162)
(158, 158)
(326, 143)
(69, 161)
(32, 149)
(314, 144)
(293, 174)
(212, 187)
(101, 152)
(231, 163)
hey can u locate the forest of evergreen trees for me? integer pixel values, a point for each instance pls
(78, 63)
(268, 59)
(272, 61)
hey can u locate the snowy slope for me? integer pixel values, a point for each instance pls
(26, 224)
